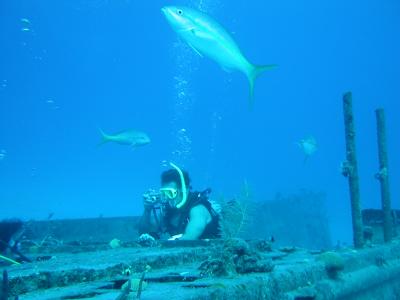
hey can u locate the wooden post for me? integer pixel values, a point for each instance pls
(4, 286)
(382, 176)
(350, 170)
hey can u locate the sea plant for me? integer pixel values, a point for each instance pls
(235, 213)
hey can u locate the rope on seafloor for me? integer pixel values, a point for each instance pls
(9, 260)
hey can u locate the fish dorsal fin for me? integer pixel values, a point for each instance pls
(195, 50)
(226, 69)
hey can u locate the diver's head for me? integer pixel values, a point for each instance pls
(175, 186)
(10, 232)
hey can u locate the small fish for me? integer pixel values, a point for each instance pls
(33, 172)
(207, 37)
(25, 29)
(25, 20)
(129, 137)
(3, 154)
(308, 146)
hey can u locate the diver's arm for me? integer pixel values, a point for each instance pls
(199, 218)
(147, 224)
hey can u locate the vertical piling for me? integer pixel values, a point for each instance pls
(382, 175)
(350, 170)
(4, 286)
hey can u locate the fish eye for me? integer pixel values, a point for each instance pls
(179, 11)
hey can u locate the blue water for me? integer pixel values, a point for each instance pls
(83, 65)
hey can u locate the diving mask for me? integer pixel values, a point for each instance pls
(169, 193)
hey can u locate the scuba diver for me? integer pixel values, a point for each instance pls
(11, 232)
(175, 212)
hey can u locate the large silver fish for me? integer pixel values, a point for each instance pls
(129, 137)
(209, 38)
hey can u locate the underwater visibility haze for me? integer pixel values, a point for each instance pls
(69, 68)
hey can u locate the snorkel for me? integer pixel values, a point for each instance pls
(183, 185)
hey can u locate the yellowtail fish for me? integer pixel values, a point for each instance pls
(129, 137)
(308, 146)
(207, 37)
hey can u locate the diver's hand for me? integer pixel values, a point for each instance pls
(148, 204)
(175, 237)
(150, 198)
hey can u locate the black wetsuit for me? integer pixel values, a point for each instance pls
(212, 229)
(8, 228)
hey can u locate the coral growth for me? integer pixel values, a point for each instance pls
(334, 263)
(235, 257)
(235, 214)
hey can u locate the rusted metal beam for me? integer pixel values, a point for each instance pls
(350, 170)
(382, 176)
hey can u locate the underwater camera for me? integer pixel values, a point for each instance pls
(154, 198)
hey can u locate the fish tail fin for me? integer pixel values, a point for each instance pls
(104, 138)
(255, 71)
